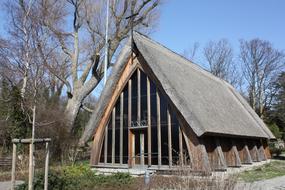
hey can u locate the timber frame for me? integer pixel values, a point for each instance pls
(205, 153)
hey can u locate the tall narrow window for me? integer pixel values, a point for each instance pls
(164, 127)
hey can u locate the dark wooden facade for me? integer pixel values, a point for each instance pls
(141, 126)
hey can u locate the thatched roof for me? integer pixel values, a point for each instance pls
(209, 104)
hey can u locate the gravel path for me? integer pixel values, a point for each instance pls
(277, 183)
(6, 185)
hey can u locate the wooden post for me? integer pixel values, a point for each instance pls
(121, 126)
(169, 137)
(113, 134)
(186, 140)
(206, 163)
(131, 138)
(30, 183)
(142, 149)
(148, 122)
(139, 95)
(222, 160)
(257, 154)
(180, 147)
(261, 151)
(13, 175)
(158, 127)
(266, 149)
(139, 116)
(46, 166)
(237, 158)
(247, 153)
(106, 144)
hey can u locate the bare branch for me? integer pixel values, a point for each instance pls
(86, 108)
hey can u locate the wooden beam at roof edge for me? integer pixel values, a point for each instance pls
(99, 135)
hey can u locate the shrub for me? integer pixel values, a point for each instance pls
(54, 182)
(78, 177)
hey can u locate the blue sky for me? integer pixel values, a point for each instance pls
(184, 22)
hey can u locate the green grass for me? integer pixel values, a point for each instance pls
(267, 171)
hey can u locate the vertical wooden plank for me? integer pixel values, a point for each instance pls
(46, 167)
(13, 166)
(121, 126)
(169, 137)
(131, 135)
(181, 156)
(148, 122)
(139, 116)
(158, 127)
(142, 149)
(139, 95)
(113, 134)
(106, 144)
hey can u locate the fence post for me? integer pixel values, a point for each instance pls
(13, 166)
(30, 187)
(46, 166)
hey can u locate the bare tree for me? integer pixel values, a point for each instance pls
(83, 44)
(219, 57)
(261, 63)
(191, 52)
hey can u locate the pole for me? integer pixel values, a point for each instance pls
(13, 167)
(30, 185)
(106, 42)
(46, 167)
(31, 159)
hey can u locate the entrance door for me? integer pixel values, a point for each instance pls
(140, 147)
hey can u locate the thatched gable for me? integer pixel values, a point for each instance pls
(208, 104)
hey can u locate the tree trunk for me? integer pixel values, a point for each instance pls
(71, 111)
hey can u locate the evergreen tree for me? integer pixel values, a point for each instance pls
(277, 114)
(14, 121)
